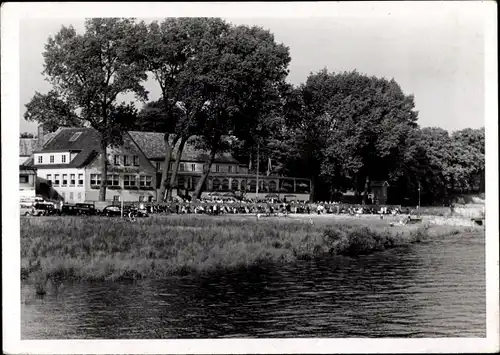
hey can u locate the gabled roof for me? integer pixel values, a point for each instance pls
(61, 141)
(153, 146)
(28, 145)
(87, 146)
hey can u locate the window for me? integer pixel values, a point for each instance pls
(63, 159)
(145, 181)
(79, 194)
(217, 169)
(80, 179)
(141, 198)
(113, 180)
(71, 196)
(51, 159)
(181, 167)
(23, 179)
(63, 195)
(64, 179)
(136, 160)
(72, 179)
(56, 179)
(40, 159)
(229, 169)
(95, 179)
(193, 167)
(116, 198)
(128, 180)
(48, 177)
(116, 159)
(158, 165)
(126, 160)
(75, 136)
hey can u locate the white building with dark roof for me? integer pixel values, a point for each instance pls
(70, 160)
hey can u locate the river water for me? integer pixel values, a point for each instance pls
(432, 289)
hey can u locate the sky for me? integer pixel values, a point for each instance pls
(437, 55)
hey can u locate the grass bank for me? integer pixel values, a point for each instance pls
(98, 248)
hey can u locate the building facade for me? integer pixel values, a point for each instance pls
(71, 162)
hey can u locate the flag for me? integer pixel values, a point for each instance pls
(268, 166)
(250, 163)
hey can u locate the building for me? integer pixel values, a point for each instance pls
(70, 161)
(27, 182)
(30, 185)
(227, 174)
(28, 145)
(379, 191)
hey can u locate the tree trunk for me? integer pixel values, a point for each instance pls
(166, 165)
(365, 190)
(206, 171)
(311, 196)
(175, 168)
(104, 170)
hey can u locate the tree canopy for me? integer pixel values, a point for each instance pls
(219, 81)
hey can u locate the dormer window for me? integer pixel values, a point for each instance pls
(51, 159)
(40, 159)
(75, 136)
(63, 158)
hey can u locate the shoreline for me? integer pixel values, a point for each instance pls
(113, 250)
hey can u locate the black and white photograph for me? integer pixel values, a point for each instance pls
(250, 177)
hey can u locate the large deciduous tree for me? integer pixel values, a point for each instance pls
(88, 72)
(247, 69)
(172, 52)
(352, 127)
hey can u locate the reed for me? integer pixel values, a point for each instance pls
(98, 248)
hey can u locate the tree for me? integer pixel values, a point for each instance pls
(51, 111)
(172, 51)
(246, 68)
(361, 121)
(27, 135)
(467, 159)
(89, 71)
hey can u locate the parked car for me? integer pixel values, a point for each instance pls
(86, 209)
(44, 209)
(111, 211)
(69, 210)
(26, 209)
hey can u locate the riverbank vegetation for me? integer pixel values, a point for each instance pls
(102, 249)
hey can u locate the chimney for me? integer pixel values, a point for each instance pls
(40, 137)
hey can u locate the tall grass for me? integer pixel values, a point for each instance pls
(98, 248)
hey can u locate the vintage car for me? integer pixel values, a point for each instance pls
(86, 209)
(44, 209)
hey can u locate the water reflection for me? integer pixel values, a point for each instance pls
(426, 290)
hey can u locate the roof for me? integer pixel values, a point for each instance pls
(28, 145)
(89, 138)
(153, 146)
(87, 144)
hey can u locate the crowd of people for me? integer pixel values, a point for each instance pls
(216, 207)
